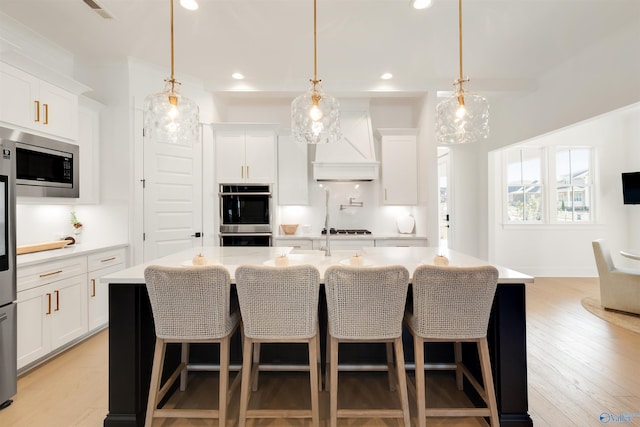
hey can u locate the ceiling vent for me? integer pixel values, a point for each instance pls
(98, 9)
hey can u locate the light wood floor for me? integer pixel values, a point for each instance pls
(579, 367)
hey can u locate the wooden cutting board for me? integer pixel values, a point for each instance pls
(37, 247)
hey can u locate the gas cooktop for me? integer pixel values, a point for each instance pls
(345, 231)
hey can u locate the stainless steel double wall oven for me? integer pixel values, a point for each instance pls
(246, 213)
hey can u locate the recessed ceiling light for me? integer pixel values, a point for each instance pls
(386, 76)
(189, 4)
(421, 4)
(237, 76)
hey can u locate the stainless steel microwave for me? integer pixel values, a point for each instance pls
(45, 167)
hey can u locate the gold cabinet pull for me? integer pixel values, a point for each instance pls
(51, 274)
(48, 304)
(93, 288)
(46, 114)
(385, 194)
(242, 171)
(247, 172)
(108, 259)
(37, 110)
(57, 300)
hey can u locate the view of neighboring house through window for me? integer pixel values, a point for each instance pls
(524, 186)
(573, 185)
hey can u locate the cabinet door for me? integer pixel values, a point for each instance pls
(34, 334)
(230, 164)
(59, 111)
(69, 301)
(260, 157)
(399, 170)
(19, 95)
(293, 185)
(89, 142)
(99, 297)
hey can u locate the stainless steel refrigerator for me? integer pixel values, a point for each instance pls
(8, 331)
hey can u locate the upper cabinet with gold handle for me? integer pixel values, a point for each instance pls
(32, 103)
(399, 166)
(252, 153)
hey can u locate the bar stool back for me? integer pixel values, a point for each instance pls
(453, 304)
(189, 305)
(367, 305)
(278, 304)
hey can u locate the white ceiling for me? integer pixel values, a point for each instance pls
(508, 44)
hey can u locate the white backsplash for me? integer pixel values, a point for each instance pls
(42, 223)
(373, 215)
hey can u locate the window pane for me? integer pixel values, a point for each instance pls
(573, 179)
(514, 167)
(533, 206)
(563, 168)
(524, 185)
(531, 167)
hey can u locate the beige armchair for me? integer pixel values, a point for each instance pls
(619, 287)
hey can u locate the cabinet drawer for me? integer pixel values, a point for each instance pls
(295, 243)
(105, 259)
(401, 242)
(48, 272)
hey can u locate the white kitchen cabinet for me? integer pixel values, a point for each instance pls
(34, 327)
(69, 310)
(101, 264)
(245, 156)
(49, 317)
(34, 104)
(62, 301)
(293, 185)
(305, 244)
(89, 142)
(399, 166)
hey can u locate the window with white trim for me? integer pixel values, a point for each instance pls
(568, 197)
(524, 186)
(573, 185)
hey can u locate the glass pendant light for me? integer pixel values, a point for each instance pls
(315, 116)
(464, 116)
(169, 116)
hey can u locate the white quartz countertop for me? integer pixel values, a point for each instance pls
(66, 252)
(233, 256)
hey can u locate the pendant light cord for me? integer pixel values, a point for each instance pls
(315, 55)
(315, 97)
(460, 34)
(172, 49)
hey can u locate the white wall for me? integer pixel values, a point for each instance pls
(565, 250)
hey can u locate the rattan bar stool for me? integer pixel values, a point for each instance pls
(453, 304)
(189, 305)
(278, 305)
(367, 305)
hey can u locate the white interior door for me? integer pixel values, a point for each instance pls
(444, 196)
(172, 197)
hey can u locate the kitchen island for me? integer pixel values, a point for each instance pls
(131, 333)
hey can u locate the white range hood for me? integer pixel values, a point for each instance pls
(353, 158)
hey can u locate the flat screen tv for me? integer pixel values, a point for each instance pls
(631, 188)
